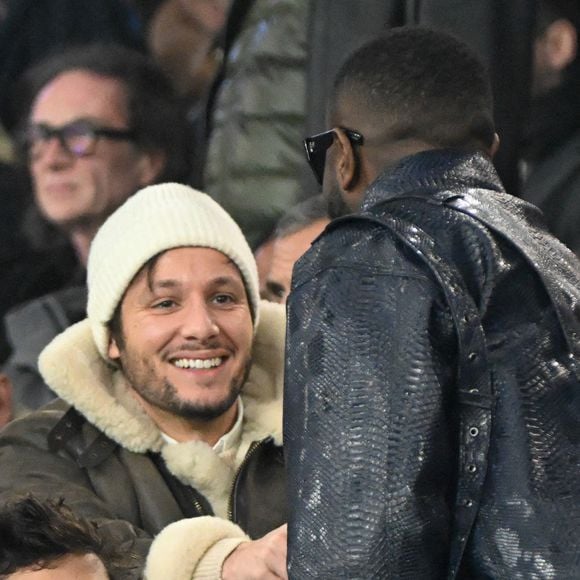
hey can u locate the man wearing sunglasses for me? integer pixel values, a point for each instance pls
(100, 125)
(432, 405)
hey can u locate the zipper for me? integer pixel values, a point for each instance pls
(196, 503)
(251, 451)
(185, 496)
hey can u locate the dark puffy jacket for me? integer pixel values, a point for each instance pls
(554, 186)
(551, 158)
(400, 464)
(255, 153)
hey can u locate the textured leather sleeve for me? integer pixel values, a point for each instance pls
(368, 429)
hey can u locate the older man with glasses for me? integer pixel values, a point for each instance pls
(101, 124)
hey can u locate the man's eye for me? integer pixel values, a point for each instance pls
(224, 299)
(163, 304)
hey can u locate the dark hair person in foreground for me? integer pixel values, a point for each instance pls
(45, 539)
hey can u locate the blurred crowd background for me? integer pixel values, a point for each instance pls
(248, 81)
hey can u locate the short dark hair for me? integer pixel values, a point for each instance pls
(420, 83)
(301, 215)
(115, 325)
(156, 117)
(36, 532)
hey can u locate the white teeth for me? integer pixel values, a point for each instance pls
(198, 363)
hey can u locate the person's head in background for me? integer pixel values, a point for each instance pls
(44, 540)
(555, 47)
(101, 123)
(294, 233)
(180, 36)
(387, 104)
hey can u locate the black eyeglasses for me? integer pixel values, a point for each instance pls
(78, 138)
(317, 145)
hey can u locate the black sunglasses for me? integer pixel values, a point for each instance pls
(317, 145)
(78, 138)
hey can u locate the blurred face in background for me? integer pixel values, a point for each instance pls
(285, 252)
(76, 190)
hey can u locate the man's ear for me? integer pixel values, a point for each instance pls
(150, 166)
(113, 349)
(494, 146)
(346, 165)
(5, 400)
(560, 44)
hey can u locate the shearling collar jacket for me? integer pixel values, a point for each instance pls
(105, 456)
(433, 379)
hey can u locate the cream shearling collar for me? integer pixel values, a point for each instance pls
(73, 368)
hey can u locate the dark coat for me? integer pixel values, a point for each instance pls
(554, 186)
(399, 465)
(551, 158)
(29, 328)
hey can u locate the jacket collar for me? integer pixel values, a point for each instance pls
(73, 368)
(434, 170)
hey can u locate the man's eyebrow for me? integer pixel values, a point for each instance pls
(165, 283)
(173, 283)
(225, 280)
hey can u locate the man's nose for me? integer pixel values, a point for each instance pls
(199, 321)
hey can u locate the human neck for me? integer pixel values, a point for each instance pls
(375, 161)
(81, 238)
(182, 429)
(391, 156)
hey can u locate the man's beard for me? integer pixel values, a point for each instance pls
(164, 396)
(335, 203)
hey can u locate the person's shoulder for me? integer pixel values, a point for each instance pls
(71, 301)
(46, 316)
(31, 424)
(356, 241)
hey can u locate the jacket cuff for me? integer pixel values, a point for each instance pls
(210, 565)
(178, 550)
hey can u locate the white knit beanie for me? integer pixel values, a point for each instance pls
(155, 219)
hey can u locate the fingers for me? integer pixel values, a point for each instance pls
(263, 559)
(278, 545)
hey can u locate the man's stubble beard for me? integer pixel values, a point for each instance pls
(165, 397)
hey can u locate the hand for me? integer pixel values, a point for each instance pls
(263, 559)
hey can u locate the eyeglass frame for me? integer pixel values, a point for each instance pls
(325, 140)
(92, 133)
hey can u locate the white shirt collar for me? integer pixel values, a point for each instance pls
(228, 440)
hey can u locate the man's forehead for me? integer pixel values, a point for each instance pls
(292, 246)
(68, 567)
(75, 93)
(168, 265)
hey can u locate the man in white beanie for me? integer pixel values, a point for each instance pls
(168, 429)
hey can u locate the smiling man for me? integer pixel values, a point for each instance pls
(172, 423)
